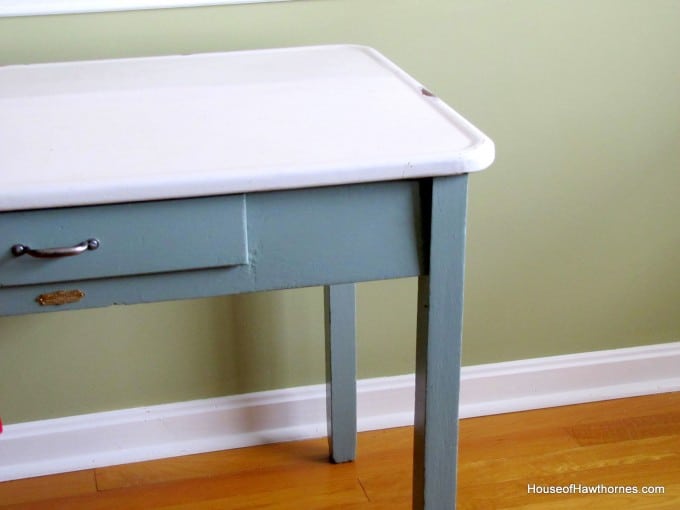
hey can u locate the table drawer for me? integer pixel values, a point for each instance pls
(134, 238)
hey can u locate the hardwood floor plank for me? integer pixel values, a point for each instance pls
(516, 493)
(237, 461)
(200, 491)
(561, 462)
(603, 502)
(47, 487)
(383, 468)
(506, 443)
(572, 415)
(623, 429)
(286, 499)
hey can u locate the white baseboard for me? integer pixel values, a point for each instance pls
(131, 435)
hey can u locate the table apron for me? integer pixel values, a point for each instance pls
(295, 238)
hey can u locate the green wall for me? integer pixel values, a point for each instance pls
(574, 233)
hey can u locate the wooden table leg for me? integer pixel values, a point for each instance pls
(438, 351)
(341, 400)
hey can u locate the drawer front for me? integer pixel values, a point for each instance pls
(134, 238)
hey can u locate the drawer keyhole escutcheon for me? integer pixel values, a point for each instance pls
(61, 297)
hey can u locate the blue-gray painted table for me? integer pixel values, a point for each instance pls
(371, 184)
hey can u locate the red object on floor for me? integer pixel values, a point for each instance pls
(0, 425)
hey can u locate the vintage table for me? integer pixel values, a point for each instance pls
(149, 179)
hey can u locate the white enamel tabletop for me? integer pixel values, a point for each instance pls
(167, 127)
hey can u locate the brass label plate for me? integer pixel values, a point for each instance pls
(61, 297)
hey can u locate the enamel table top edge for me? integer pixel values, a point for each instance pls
(111, 131)
(149, 179)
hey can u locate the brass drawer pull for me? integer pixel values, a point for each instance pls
(52, 253)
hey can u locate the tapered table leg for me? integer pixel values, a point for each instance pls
(341, 397)
(438, 351)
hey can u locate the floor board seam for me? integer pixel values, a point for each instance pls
(361, 484)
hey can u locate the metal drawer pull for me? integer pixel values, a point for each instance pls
(52, 253)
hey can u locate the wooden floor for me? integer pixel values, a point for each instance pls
(623, 443)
